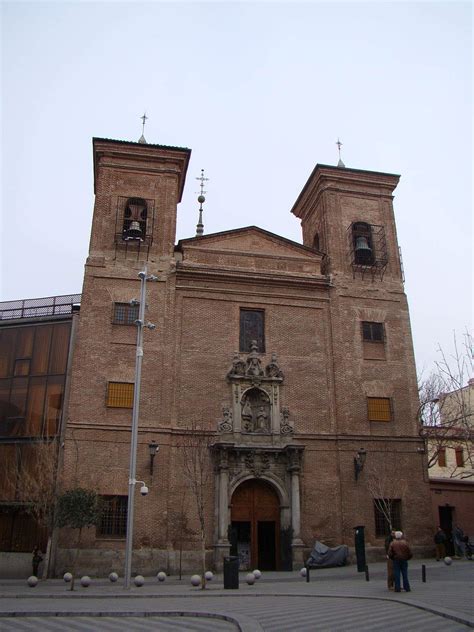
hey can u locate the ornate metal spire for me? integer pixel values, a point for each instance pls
(339, 145)
(201, 200)
(142, 137)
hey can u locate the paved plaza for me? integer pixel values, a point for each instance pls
(334, 599)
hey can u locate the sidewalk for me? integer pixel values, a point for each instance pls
(333, 599)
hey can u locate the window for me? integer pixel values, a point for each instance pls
(459, 457)
(383, 508)
(442, 457)
(372, 332)
(120, 395)
(362, 244)
(316, 244)
(125, 314)
(379, 409)
(134, 220)
(252, 327)
(113, 520)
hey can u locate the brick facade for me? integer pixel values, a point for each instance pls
(314, 302)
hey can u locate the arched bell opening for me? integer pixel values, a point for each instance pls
(255, 525)
(363, 244)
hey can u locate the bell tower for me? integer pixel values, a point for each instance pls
(348, 215)
(137, 188)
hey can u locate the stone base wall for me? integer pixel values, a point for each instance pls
(148, 562)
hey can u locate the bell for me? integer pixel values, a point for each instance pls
(362, 244)
(134, 232)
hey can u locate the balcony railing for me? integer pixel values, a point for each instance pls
(39, 307)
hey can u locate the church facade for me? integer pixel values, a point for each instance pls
(292, 364)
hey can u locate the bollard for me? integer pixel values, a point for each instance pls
(366, 573)
(423, 573)
(307, 574)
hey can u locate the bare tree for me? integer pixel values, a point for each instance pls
(385, 488)
(181, 531)
(195, 446)
(446, 412)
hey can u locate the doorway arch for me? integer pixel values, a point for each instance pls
(255, 525)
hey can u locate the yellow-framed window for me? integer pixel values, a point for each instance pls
(379, 409)
(120, 394)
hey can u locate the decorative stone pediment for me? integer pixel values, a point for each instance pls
(254, 408)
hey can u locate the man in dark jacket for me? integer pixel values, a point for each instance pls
(400, 553)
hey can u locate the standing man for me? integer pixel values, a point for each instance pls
(400, 553)
(440, 543)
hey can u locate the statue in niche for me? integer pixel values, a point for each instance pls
(262, 420)
(255, 412)
(254, 364)
(272, 369)
(247, 416)
(238, 366)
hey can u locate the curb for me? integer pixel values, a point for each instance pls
(242, 622)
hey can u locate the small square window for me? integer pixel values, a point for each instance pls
(113, 520)
(379, 409)
(120, 394)
(442, 457)
(459, 457)
(372, 332)
(252, 327)
(125, 314)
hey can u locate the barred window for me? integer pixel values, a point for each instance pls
(252, 327)
(442, 457)
(113, 521)
(383, 509)
(379, 409)
(372, 332)
(459, 457)
(125, 314)
(120, 394)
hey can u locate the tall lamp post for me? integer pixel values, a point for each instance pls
(140, 323)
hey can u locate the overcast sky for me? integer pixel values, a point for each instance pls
(260, 92)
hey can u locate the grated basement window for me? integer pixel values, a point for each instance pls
(384, 507)
(113, 521)
(125, 314)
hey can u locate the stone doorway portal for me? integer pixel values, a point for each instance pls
(255, 525)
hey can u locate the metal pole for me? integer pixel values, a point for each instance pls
(133, 449)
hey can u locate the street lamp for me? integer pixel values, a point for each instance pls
(359, 462)
(153, 447)
(140, 323)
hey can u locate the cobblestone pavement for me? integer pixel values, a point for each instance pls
(334, 599)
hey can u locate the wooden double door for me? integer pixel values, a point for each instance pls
(255, 530)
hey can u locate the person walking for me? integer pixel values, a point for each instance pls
(37, 559)
(459, 543)
(440, 544)
(388, 540)
(400, 553)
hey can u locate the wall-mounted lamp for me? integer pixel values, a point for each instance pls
(153, 448)
(359, 461)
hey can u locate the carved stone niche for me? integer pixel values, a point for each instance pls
(255, 398)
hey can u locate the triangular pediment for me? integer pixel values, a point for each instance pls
(250, 240)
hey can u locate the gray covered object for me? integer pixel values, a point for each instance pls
(323, 557)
